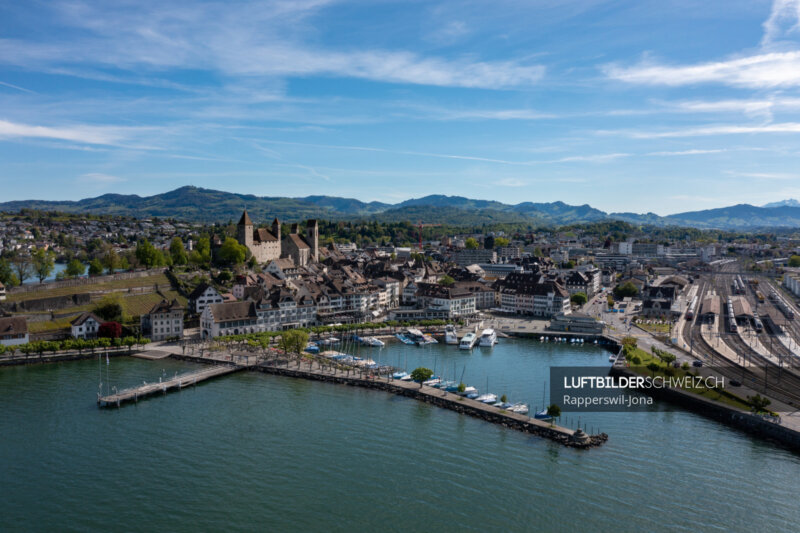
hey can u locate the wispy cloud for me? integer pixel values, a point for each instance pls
(17, 87)
(700, 131)
(595, 158)
(104, 135)
(511, 182)
(686, 152)
(764, 175)
(784, 19)
(245, 40)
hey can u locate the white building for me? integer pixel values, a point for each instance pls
(85, 326)
(164, 321)
(203, 296)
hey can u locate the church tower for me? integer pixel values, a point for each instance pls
(276, 228)
(312, 237)
(244, 230)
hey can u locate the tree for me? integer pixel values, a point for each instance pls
(627, 289)
(201, 255)
(421, 374)
(22, 266)
(504, 398)
(653, 367)
(794, 261)
(111, 308)
(231, 252)
(178, 252)
(447, 281)
(500, 242)
(294, 340)
(578, 298)
(75, 268)
(95, 267)
(111, 261)
(759, 402)
(44, 262)
(111, 330)
(471, 244)
(7, 275)
(148, 255)
(554, 411)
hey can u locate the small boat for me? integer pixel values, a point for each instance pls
(612, 358)
(468, 341)
(405, 340)
(450, 335)
(542, 415)
(487, 398)
(520, 408)
(453, 387)
(372, 341)
(401, 375)
(419, 338)
(472, 395)
(312, 348)
(432, 382)
(407, 377)
(469, 390)
(488, 337)
(329, 341)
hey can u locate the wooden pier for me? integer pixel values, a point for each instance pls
(176, 383)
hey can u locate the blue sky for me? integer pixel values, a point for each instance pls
(661, 106)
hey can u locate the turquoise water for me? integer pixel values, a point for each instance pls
(253, 451)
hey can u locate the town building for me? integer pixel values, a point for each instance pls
(13, 331)
(202, 296)
(85, 326)
(479, 255)
(532, 294)
(576, 323)
(2, 292)
(455, 301)
(262, 243)
(163, 321)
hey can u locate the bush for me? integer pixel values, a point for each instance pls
(636, 360)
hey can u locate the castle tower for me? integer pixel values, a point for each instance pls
(244, 230)
(312, 238)
(276, 228)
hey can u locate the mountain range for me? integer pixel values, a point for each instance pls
(196, 204)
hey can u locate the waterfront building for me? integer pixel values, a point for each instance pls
(163, 321)
(202, 296)
(13, 331)
(85, 326)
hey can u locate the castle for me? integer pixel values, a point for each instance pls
(266, 245)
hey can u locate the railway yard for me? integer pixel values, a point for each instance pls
(743, 324)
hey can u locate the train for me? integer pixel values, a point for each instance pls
(732, 317)
(758, 325)
(775, 298)
(690, 311)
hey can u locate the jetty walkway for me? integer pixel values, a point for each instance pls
(178, 382)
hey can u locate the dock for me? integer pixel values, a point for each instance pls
(568, 437)
(134, 394)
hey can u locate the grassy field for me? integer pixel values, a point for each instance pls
(52, 325)
(147, 281)
(654, 328)
(710, 394)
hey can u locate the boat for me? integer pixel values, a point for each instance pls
(450, 335)
(405, 340)
(520, 408)
(487, 398)
(372, 341)
(473, 395)
(401, 375)
(469, 390)
(542, 415)
(312, 348)
(407, 377)
(329, 341)
(468, 341)
(612, 358)
(419, 338)
(488, 337)
(432, 382)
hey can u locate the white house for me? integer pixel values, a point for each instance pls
(85, 326)
(164, 321)
(203, 296)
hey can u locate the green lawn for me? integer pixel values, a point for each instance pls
(722, 396)
(147, 281)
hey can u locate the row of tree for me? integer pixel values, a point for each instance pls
(81, 345)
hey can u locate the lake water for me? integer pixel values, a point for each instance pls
(252, 451)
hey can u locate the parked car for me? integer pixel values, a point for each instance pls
(735, 383)
(697, 363)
